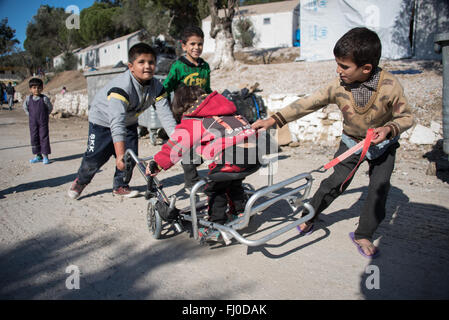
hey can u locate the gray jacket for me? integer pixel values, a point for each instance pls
(118, 104)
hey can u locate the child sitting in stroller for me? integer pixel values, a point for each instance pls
(210, 127)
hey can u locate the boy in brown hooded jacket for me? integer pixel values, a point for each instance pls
(368, 97)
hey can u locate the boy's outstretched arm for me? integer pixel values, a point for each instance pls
(119, 148)
(263, 124)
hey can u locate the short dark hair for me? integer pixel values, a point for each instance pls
(361, 45)
(185, 97)
(191, 31)
(138, 49)
(35, 82)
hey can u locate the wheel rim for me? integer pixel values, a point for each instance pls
(151, 217)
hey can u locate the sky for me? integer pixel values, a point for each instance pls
(20, 12)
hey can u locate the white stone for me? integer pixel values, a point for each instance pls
(334, 116)
(289, 99)
(435, 126)
(320, 114)
(422, 135)
(276, 96)
(336, 129)
(406, 134)
(274, 105)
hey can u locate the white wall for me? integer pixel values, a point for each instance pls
(323, 23)
(280, 32)
(57, 61)
(113, 53)
(88, 57)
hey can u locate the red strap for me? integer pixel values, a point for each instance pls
(344, 155)
(366, 145)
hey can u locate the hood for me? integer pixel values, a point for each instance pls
(213, 105)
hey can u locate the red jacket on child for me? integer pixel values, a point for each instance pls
(209, 126)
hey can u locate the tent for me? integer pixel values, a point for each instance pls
(405, 27)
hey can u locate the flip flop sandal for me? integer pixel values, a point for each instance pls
(301, 232)
(360, 250)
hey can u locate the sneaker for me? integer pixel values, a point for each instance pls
(46, 161)
(199, 192)
(36, 159)
(207, 234)
(126, 192)
(75, 189)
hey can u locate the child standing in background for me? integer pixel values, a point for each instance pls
(38, 106)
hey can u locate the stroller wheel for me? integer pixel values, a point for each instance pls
(154, 221)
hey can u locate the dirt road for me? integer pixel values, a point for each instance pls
(46, 237)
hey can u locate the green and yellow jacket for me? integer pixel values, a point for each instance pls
(183, 71)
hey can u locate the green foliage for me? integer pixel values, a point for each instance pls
(7, 34)
(250, 2)
(182, 13)
(98, 23)
(131, 17)
(245, 33)
(156, 20)
(48, 36)
(203, 9)
(70, 61)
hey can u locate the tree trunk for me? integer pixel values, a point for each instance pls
(221, 31)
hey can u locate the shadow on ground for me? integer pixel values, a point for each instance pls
(412, 241)
(36, 268)
(34, 185)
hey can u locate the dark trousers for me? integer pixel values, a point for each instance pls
(190, 161)
(100, 148)
(373, 211)
(38, 121)
(219, 194)
(40, 137)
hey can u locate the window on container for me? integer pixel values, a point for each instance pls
(118, 46)
(266, 20)
(104, 50)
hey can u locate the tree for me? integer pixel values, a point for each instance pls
(250, 2)
(98, 23)
(182, 13)
(7, 34)
(48, 36)
(131, 17)
(221, 31)
(245, 32)
(158, 20)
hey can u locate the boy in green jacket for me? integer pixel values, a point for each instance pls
(190, 70)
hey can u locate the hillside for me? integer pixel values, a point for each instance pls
(72, 80)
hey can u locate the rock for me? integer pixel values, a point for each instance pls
(431, 169)
(435, 126)
(422, 135)
(294, 144)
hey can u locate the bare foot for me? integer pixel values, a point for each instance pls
(367, 246)
(304, 227)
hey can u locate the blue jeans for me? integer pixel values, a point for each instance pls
(100, 148)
